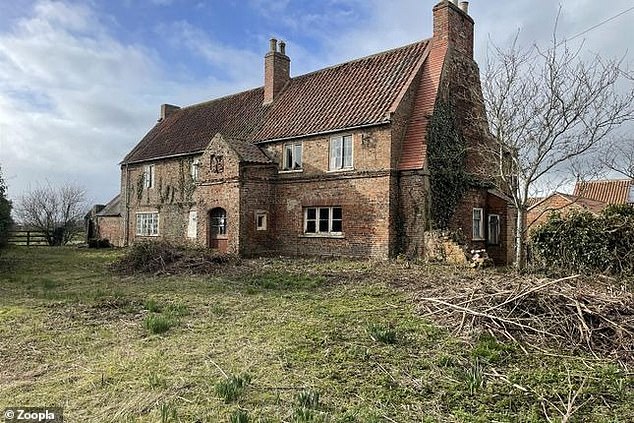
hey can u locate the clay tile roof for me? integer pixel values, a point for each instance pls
(531, 201)
(589, 204)
(190, 129)
(360, 92)
(112, 208)
(612, 191)
(249, 152)
(355, 93)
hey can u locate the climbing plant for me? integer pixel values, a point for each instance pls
(446, 152)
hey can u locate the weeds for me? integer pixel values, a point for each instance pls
(475, 377)
(152, 306)
(380, 333)
(308, 399)
(239, 416)
(232, 387)
(158, 323)
(168, 413)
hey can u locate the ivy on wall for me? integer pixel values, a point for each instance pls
(446, 152)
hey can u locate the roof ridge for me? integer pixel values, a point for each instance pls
(213, 100)
(359, 59)
(202, 103)
(606, 180)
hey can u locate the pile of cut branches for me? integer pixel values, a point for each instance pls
(571, 313)
(164, 257)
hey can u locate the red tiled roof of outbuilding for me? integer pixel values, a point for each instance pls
(612, 191)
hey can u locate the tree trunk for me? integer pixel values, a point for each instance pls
(519, 239)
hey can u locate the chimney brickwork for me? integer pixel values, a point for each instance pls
(277, 67)
(166, 110)
(453, 27)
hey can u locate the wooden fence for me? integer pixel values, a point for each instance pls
(27, 238)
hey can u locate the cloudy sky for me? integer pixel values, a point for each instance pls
(82, 81)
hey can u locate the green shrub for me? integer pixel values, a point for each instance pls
(5, 213)
(584, 242)
(232, 387)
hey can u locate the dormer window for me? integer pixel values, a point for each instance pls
(293, 156)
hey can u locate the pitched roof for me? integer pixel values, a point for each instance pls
(589, 204)
(248, 152)
(356, 93)
(612, 191)
(113, 208)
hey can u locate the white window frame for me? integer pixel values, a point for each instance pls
(341, 153)
(261, 220)
(316, 220)
(148, 176)
(491, 239)
(194, 169)
(192, 224)
(477, 232)
(292, 163)
(147, 223)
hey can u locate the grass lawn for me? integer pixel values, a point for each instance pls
(270, 340)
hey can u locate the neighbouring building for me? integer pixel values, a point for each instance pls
(591, 196)
(334, 162)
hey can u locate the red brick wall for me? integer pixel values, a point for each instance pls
(110, 228)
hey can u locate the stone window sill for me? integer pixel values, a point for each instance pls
(335, 236)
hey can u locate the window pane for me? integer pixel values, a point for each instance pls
(323, 225)
(288, 156)
(311, 226)
(336, 226)
(324, 213)
(297, 164)
(477, 223)
(312, 213)
(335, 153)
(336, 213)
(347, 151)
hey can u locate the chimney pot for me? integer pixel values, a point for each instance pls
(276, 71)
(464, 6)
(273, 45)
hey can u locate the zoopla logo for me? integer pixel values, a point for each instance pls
(33, 415)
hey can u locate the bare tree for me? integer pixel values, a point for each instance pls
(55, 211)
(619, 157)
(549, 110)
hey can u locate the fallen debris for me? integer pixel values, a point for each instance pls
(570, 313)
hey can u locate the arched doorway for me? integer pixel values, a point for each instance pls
(218, 229)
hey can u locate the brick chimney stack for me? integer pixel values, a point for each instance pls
(453, 27)
(166, 110)
(277, 70)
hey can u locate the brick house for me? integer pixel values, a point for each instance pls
(591, 196)
(333, 162)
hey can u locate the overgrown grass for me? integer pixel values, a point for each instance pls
(72, 334)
